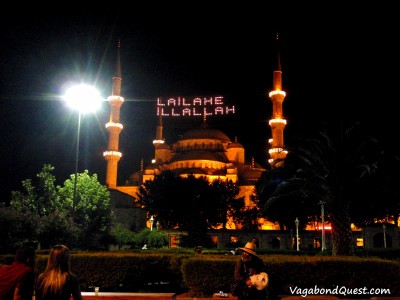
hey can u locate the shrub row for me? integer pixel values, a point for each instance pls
(204, 276)
(130, 272)
(201, 275)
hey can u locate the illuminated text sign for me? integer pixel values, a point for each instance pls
(181, 106)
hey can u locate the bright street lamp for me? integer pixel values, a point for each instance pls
(83, 98)
(151, 222)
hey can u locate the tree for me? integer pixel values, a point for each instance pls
(17, 228)
(285, 193)
(389, 188)
(197, 210)
(380, 198)
(179, 202)
(58, 219)
(162, 197)
(157, 239)
(122, 235)
(249, 217)
(39, 201)
(39, 196)
(325, 166)
(57, 228)
(151, 238)
(226, 202)
(92, 212)
(191, 204)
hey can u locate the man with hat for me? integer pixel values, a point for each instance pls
(248, 265)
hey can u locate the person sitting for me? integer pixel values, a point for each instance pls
(248, 265)
(17, 280)
(57, 282)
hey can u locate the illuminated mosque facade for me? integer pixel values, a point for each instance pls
(209, 152)
(202, 151)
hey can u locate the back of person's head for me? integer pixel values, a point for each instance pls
(26, 255)
(59, 259)
(57, 270)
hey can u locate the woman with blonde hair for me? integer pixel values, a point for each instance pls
(57, 281)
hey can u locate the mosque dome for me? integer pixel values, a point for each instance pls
(200, 155)
(204, 132)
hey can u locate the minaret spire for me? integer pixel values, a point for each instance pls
(278, 55)
(159, 129)
(159, 142)
(277, 151)
(114, 127)
(118, 72)
(204, 120)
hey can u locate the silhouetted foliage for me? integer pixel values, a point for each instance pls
(17, 228)
(331, 165)
(181, 202)
(190, 204)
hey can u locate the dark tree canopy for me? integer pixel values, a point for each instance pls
(190, 202)
(332, 164)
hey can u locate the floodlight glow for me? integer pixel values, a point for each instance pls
(83, 97)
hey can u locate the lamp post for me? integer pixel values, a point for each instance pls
(323, 247)
(297, 233)
(158, 225)
(151, 223)
(384, 235)
(83, 98)
(77, 157)
(291, 237)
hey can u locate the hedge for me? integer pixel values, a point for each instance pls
(201, 275)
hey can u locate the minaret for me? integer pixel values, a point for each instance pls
(159, 139)
(159, 142)
(114, 127)
(277, 151)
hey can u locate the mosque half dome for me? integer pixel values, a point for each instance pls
(163, 146)
(235, 145)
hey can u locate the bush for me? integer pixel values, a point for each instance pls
(203, 274)
(152, 238)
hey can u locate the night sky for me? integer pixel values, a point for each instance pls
(334, 73)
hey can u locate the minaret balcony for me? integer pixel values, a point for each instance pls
(277, 121)
(112, 155)
(277, 150)
(273, 93)
(158, 142)
(115, 99)
(112, 124)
